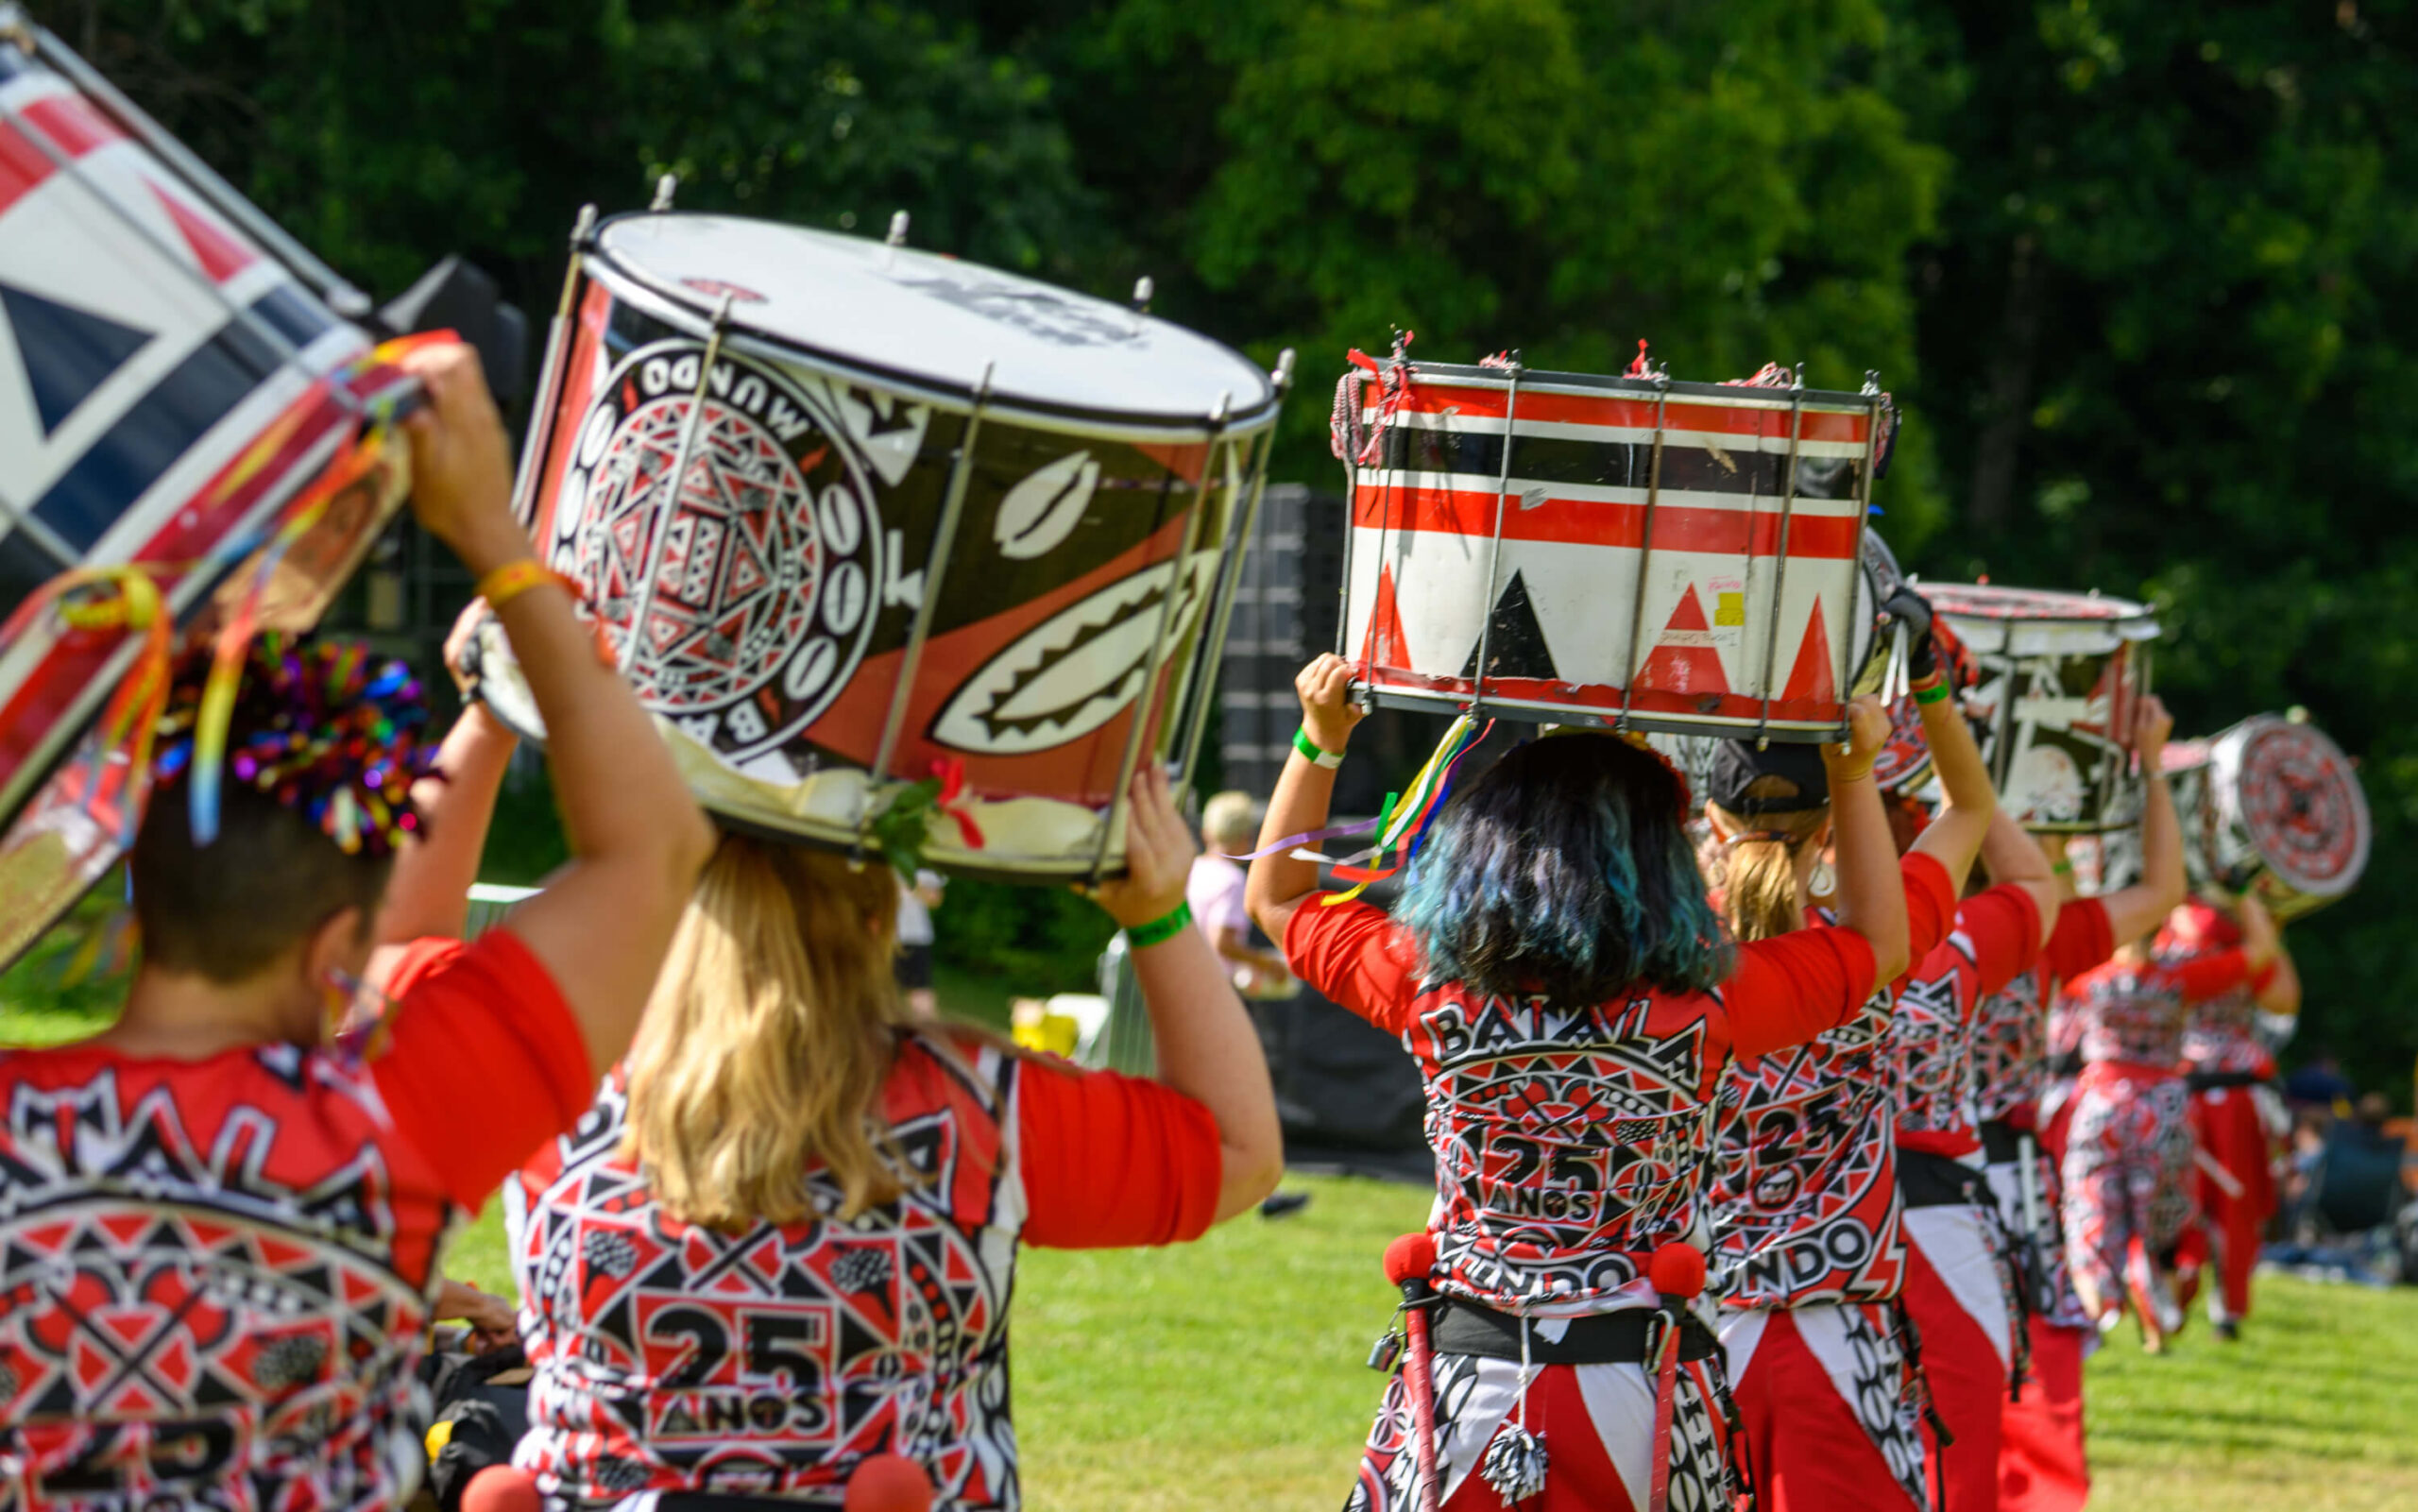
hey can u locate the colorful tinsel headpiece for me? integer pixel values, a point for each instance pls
(320, 725)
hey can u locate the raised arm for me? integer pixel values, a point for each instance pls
(1871, 896)
(2014, 860)
(2282, 995)
(430, 894)
(1303, 792)
(1207, 1048)
(2134, 911)
(1953, 838)
(636, 838)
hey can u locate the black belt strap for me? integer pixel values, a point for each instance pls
(2198, 1082)
(1931, 1181)
(2002, 1143)
(1600, 1338)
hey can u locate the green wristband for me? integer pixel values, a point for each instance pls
(1932, 694)
(1329, 759)
(1160, 929)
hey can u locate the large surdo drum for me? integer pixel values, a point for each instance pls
(179, 378)
(2060, 679)
(1624, 552)
(852, 516)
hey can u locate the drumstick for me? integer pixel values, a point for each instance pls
(1408, 1259)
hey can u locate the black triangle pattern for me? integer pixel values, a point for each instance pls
(1515, 643)
(67, 353)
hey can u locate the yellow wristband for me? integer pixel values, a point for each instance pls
(513, 578)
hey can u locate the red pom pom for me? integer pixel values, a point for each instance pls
(1412, 1256)
(888, 1483)
(1676, 1269)
(502, 1488)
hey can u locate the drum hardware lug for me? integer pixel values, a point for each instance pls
(1178, 578)
(665, 188)
(898, 223)
(583, 232)
(960, 469)
(1779, 574)
(670, 511)
(1282, 375)
(1143, 290)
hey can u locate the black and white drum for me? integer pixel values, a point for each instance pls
(854, 517)
(2275, 809)
(1626, 551)
(2060, 676)
(182, 374)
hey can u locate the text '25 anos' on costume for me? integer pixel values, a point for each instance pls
(273, 1216)
(1570, 1142)
(672, 1357)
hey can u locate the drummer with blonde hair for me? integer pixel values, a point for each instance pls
(783, 1241)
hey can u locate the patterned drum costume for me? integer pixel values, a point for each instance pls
(1960, 1281)
(771, 1362)
(1809, 1248)
(1569, 1147)
(2239, 1123)
(2041, 1463)
(2128, 1163)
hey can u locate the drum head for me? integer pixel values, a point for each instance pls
(937, 321)
(2038, 621)
(2297, 805)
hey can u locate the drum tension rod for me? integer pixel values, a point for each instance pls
(1780, 576)
(1645, 551)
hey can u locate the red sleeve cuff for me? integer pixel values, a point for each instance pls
(2082, 939)
(1931, 904)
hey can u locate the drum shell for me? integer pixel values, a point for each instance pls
(1049, 610)
(2277, 809)
(1587, 612)
(184, 386)
(2060, 680)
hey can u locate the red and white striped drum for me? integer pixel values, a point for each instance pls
(933, 522)
(2277, 809)
(178, 377)
(1642, 554)
(2059, 679)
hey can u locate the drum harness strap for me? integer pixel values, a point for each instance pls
(1918, 1394)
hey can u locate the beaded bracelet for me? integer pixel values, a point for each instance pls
(1329, 759)
(1160, 929)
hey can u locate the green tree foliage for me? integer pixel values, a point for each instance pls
(2170, 344)
(1559, 177)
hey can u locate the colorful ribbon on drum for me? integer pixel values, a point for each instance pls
(1402, 825)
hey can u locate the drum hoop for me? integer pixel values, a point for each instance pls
(1539, 380)
(673, 308)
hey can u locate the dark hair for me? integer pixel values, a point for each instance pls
(228, 910)
(1566, 870)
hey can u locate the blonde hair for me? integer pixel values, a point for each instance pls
(766, 1044)
(1759, 865)
(1230, 819)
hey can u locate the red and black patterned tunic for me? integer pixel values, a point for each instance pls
(1804, 1200)
(1931, 1051)
(214, 1274)
(2010, 1034)
(769, 1362)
